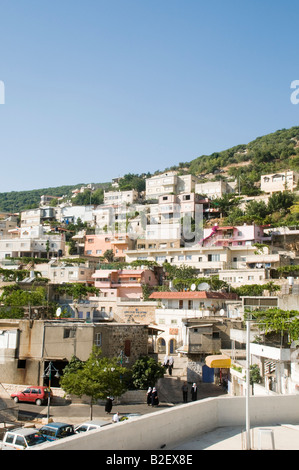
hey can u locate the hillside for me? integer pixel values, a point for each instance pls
(247, 162)
(16, 201)
(266, 154)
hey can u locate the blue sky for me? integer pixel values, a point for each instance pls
(95, 89)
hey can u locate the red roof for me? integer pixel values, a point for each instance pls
(193, 295)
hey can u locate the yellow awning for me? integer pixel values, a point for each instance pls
(218, 361)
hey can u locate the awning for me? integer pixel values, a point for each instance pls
(218, 361)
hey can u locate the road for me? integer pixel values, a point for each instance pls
(62, 410)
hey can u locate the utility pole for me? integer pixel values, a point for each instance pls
(248, 443)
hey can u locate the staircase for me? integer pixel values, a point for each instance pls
(169, 387)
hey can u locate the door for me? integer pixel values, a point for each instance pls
(207, 374)
(171, 346)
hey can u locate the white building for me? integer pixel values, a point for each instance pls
(120, 197)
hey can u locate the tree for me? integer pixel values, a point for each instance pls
(76, 290)
(145, 372)
(225, 203)
(280, 202)
(97, 378)
(255, 376)
(109, 255)
(278, 321)
(14, 300)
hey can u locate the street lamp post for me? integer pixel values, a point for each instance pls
(48, 373)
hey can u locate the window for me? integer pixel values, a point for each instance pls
(69, 333)
(21, 363)
(181, 304)
(20, 441)
(9, 438)
(127, 348)
(98, 339)
(214, 257)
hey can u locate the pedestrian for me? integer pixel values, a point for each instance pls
(166, 362)
(194, 392)
(170, 365)
(109, 404)
(149, 396)
(115, 418)
(155, 399)
(185, 392)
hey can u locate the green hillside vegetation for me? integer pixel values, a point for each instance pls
(268, 154)
(16, 201)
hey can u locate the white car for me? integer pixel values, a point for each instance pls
(22, 439)
(91, 425)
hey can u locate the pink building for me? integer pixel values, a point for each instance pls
(96, 245)
(125, 283)
(242, 235)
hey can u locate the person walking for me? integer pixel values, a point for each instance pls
(185, 392)
(109, 404)
(166, 362)
(194, 392)
(149, 396)
(170, 365)
(155, 399)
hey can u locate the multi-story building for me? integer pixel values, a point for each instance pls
(32, 242)
(7, 224)
(64, 271)
(168, 183)
(121, 197)
(215, 189)
(98, 244)
(177, 307)
(281, 181)
(126, 283)
(27, 347)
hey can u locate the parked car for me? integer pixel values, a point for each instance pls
(91, 425)
(22, 439)
(54, 431)
(33, 394)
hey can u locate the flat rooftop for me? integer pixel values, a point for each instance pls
(286, 437)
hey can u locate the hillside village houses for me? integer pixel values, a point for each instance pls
(146, 230)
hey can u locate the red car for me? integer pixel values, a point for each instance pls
(35, 394)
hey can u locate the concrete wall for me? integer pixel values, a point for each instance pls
(170, 427)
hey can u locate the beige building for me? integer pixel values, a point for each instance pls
(27, 347)
(215, 189)
(168, 183)
(282, 181)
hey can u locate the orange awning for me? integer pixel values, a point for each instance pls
(218, 361)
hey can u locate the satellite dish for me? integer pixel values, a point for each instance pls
(222, 312)
(203, 286)
(58, 312)
(193, 287)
